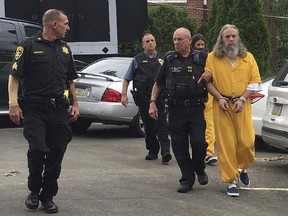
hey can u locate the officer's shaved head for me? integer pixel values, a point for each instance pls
(51, 16)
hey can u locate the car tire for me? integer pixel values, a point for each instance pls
(137, 127)
(82, 124)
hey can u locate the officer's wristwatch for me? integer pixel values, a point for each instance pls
(152, 101)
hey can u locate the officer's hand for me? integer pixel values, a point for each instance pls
(15, 114)
(238, 106)
(74, 113)
(153, 111)
(223, 104)
(124, 100)
(206, 77)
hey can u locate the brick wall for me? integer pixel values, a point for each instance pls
(195, 9)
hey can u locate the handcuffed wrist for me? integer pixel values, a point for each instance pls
(243, 99)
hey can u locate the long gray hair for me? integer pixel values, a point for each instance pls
(218, 48)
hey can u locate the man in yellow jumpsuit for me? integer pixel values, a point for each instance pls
(235, 76)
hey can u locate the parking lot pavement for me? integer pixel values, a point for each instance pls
(104, 173)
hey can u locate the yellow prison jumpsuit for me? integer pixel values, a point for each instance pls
(209, 133)
(234, 131)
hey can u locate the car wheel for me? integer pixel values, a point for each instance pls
(137, 127)
(81, 125)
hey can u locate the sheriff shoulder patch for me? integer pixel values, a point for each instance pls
(19, 52)
(14, 66)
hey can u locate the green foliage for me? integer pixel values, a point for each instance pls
(163, 20)
(248, 18)
(132, 47)
(210, 26)
(282, 30)
(254, 32)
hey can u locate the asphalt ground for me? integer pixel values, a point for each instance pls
(104, 173)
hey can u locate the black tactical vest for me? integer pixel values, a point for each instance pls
(144, 76)
(182, 76)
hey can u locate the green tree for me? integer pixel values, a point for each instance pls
(282, 30)
(163, 20)
(248, 18)
(220, 15)
(208, 29)
(253, 31)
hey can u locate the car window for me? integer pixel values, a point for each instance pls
(8, 45)
(116, 68)
(31, 31)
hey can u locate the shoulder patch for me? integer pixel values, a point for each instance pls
(19, 52)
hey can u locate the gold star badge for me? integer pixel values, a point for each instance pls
(65, 50)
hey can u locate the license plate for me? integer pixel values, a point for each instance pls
(277, 109)
(82, 92)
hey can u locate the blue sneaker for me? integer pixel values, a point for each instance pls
(244, 178)
(233, 191)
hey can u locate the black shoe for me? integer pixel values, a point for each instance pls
(184, 188)
(166, 157)
(203, 179)
(49, 206)
(151, 157)
(32, 201)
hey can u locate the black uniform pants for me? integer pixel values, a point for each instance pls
(48, 132)
(156, 131)
(187, 125)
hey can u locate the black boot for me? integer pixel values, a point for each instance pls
(32, 200)
(49, 206)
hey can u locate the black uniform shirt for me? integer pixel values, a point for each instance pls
(44, 67)
(164, 69)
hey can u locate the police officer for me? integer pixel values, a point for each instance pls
(181, 73)
(142, 71)
(45, 68)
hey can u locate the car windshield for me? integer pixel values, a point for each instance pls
(116, 68)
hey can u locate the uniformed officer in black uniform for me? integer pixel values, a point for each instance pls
(181, 73)
(43, 67)
(142, 71)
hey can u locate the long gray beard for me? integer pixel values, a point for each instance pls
(231, 50)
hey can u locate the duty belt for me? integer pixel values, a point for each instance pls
(49, 100)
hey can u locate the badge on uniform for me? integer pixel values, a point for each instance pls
(19, 52)
(189, 69)
(65, 50)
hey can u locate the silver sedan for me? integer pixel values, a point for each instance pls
(98, 91)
